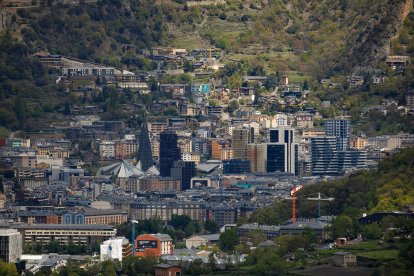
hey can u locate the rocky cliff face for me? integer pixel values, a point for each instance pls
(373, 44)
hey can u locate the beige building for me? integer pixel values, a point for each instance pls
(156, 127)
(240, 139)
(304, 120)
(221, 150)
(132, 185)
(358, 143)
(257, 157)
(184, 144)
(155, 183)
(344, 259)
(202, 240)
(394, 142)
(125, 149)
(312, 132)
(194, 157)
(155, 146)
(94, 216)
(52, 152)
(25, 161)
(65, 233)
(226, 154)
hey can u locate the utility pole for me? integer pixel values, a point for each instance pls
(320, 198)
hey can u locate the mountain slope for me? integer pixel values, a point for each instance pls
(298, 35)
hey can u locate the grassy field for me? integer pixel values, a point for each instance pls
(298, 78)
(380, 255)
(369, 249)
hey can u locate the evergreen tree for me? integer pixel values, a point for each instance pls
(305, 85)
(20, 109)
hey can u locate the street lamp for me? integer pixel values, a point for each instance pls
(133, 222)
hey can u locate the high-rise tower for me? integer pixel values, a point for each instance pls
(282, 151)
(144, 155)
(240, 139)
(169, 152)
(341, 130)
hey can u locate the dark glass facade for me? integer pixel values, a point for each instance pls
(169, 152)
(327, 160)
(236, 166)
(276, 157)
(185, 171)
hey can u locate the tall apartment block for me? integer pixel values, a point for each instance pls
(328, 160)
(242, 137)
(341, 130)
(324, 156)
(282, 151)
(169, 152)
(257, 157)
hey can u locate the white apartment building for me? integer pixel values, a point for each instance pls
(107, 149)
(10, 245)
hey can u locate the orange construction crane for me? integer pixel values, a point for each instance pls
(293, 194)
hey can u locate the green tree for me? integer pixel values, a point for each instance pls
(233, 106)
(256, 236)
(234, 81)
(196, 268)
(211, 226)
(171, 111)
(228, 240)
(180, 221)
(20, 109)
(132, 265)
(371, 232)
(8, 269)
(305, 85)
(342, 226)
(188, 66)
(309, 235)
(109, 268)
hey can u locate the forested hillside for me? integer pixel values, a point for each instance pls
(319, 37)
(388, 188)
(308, 39)
(96, 32)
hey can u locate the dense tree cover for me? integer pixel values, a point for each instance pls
(180, 227)
(390, 187)
(271, 260)
(130, 266)
(21, 80)
(228, 240)
(8, 269)
(387, 188)
(211, 226)
(97, 31)
(273, 215)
